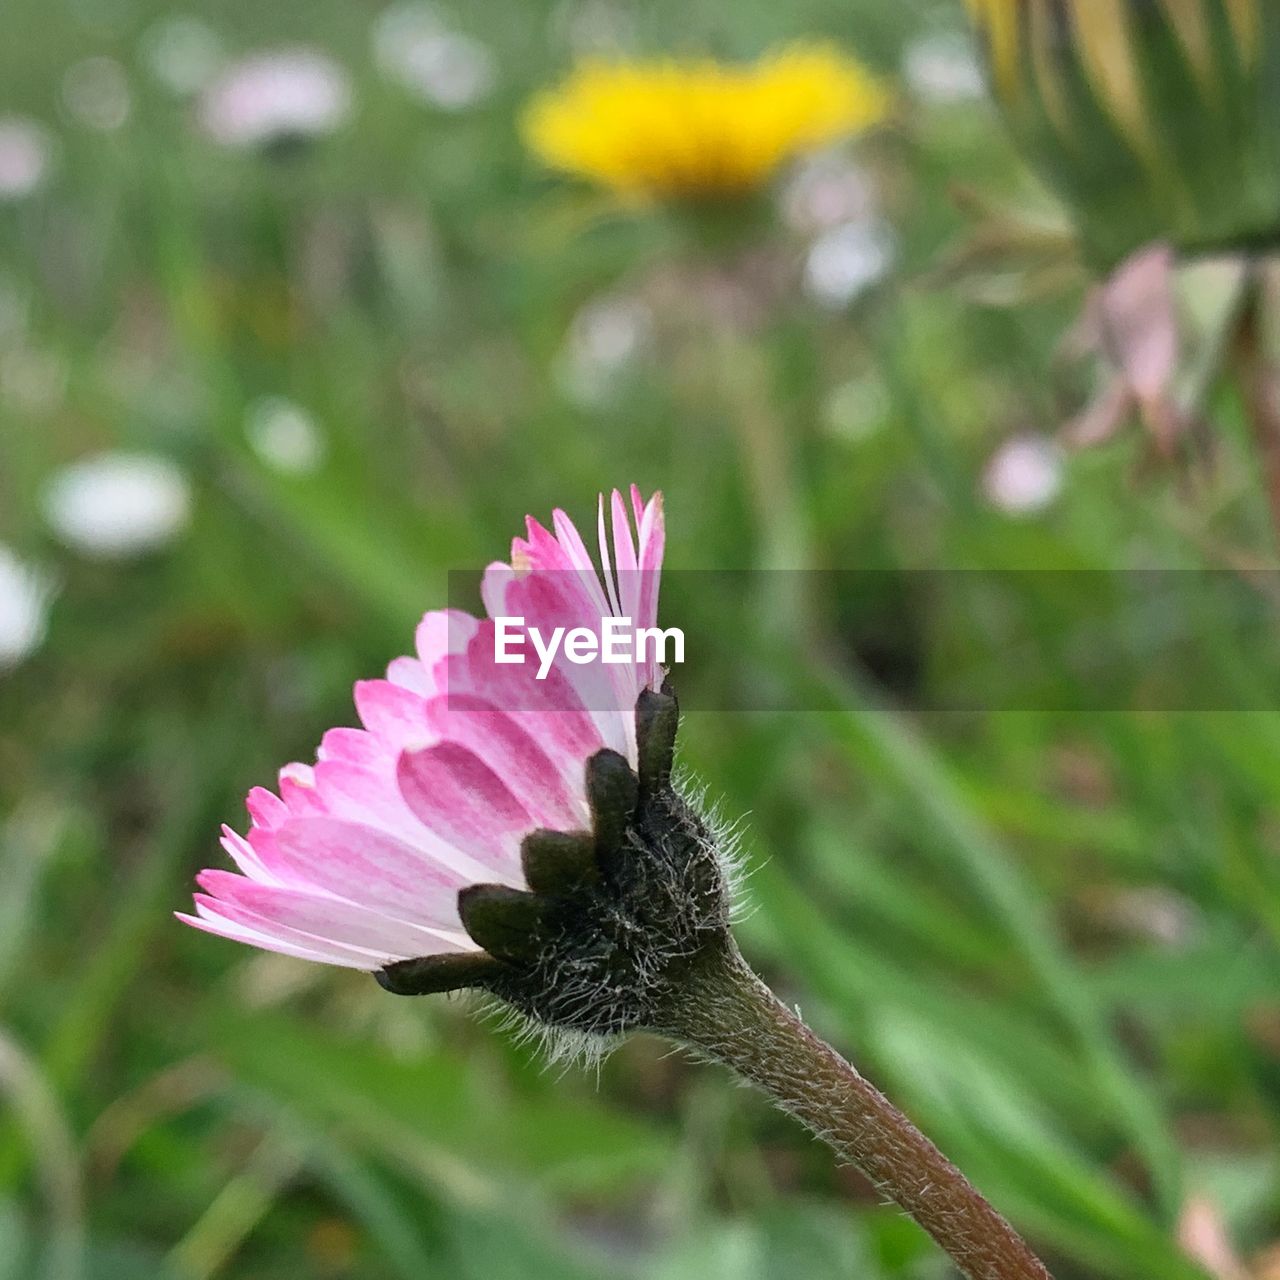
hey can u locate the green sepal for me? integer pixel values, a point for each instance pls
(557, 863)
(505, 922)
(431, 975)
(657, 720)
(613, 792)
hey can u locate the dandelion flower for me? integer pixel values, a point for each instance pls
(700, 130)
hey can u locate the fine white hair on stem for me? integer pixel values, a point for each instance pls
(579, 1031)
(560, 1047)
(727, 838)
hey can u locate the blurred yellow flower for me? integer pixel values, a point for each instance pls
(700, 130)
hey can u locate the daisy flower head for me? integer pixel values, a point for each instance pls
(700, 130)
(496, 824)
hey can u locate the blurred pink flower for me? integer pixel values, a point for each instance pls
(1024, 475)
(25, 152)
(358, 860)
(276, 96)
(1133, 323)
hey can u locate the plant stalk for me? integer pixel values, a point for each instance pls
(731, 1017)
(1260, 387)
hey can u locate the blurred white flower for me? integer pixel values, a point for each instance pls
(402, 24)
(943, 68)
(26, 151)
(183, 53)
(856, 410)
(114, 505)
(413, 47)
(847, 260)
(284, 435)
(25, 593)
(826, 190)
(276, 96)
(1024, 475)
(604, 339)
(595, 27)
(96, 93)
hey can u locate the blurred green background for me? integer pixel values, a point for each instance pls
(354, 364)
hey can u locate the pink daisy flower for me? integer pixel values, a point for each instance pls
(359, 859)
(515, 829)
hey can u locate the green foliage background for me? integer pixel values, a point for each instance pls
(962, 903)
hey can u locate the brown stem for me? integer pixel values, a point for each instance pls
(732, 1017)
(1260, 386)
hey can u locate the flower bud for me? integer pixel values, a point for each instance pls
(1154, 119)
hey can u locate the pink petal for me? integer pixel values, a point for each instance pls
(552, 709)
(410, 674)
(325, 917)
(638, 503)
(440, 633)
(365, 866)
(210, 922)
(571, 542)
(624, 559)
(212, 909)
(610, 583)
(245, 856)
(551, 795)
(356, 746)
(393, 714)
(494, 586)
(1140, 321)
(606, 693)
(265, 808)
(652, 546)
(542, 550)
(366, 795)
(300, 795)
(458, 797)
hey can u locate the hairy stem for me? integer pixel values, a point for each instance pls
(731, 1017)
